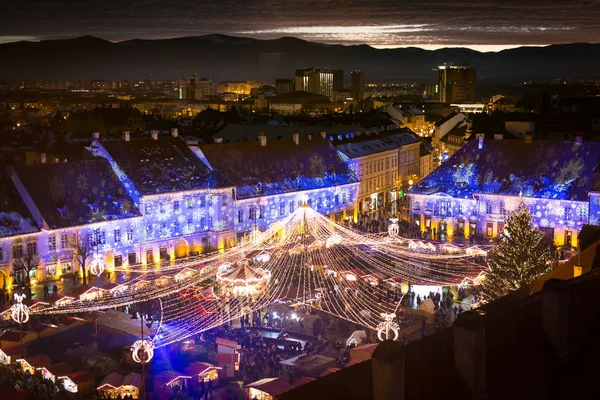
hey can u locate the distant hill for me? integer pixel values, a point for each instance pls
(227, 57)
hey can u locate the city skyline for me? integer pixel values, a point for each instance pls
(482, 26)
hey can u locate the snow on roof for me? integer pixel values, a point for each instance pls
(77, 192)
(279, 167)
(541, 169)
(15, 218)
(161, 166)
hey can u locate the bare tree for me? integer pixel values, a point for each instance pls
(22, 266)
(83, 251)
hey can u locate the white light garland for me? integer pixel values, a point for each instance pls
(394, 228)
(97, 265)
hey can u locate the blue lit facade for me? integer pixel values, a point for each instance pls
(473, 191)
(144, 206)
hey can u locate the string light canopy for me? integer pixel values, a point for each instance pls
(311, 261)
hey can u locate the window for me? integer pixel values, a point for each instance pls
(147, 209)
(189, 203)
(443, 208)
(582, 213)
(161, 207)
(224, 200)
(240, 215)
(252, 213)
(209, 200)
(261, 214)
(417, 206)
(163, 254)
(567, 212)
(344, 197)
(176, 205)
(202, 223)
(117, 233)
(291, 206)
(130, 234)
(64, 241)
(460, 208)
(273, 211)
(176, 230)
(100, 237)
(282, 208)
(89, 238)
(488, 207)
(148, 231)
(210, 223)
(119, 261)
(502, 209)
(337, 199)
(1, 254)
(51, 243)
(32, 248)
(163, 229)
(132, 258)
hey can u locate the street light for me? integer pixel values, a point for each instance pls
(20, 314)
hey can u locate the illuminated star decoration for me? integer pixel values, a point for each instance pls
(19, 311)
(388, 325)
(142, 351)
(394, 228)
(97, 265)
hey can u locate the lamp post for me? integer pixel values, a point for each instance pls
(20, 314)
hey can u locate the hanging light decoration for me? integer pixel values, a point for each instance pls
(394, 228)
(97, 265)
(388, 329)
(142, 351)
(19, 311)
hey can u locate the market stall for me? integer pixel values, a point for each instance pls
(267, 389)
(203, 372)
(30, 364)
(53, 371)
(82, 382)
(10, 354)
(168, 383)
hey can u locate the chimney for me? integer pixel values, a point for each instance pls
(498, 136)
(263, 139)
(96, 136)
(43, 158)
(480, 137)
(174, 132)
(388, 371)
(528, 137)
(154, 134)
(555, 314)
(218, 140)
(470, 351)
(323, 134)
(296, 137)
(94, 151)
(127, 136)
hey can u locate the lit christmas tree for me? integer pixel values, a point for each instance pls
(520, 257)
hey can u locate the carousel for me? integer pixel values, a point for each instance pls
(241, 279)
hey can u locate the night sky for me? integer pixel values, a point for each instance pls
(482, 25)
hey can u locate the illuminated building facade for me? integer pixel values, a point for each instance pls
(315, 80)
(473, 191)
(150, 201)
(381, 165)
(457, 84)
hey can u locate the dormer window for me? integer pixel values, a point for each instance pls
(259, 187)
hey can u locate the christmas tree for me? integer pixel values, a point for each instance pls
(520, 257)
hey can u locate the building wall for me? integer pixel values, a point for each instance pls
(485, 215)
(262, 212)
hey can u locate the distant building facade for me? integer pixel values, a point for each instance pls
(457, 84)
(315, 80)
(358, 85)
(472, 192)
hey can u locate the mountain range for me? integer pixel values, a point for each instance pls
(237, 58)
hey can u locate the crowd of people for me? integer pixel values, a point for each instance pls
(13, 380)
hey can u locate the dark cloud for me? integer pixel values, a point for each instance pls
(424, 22)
